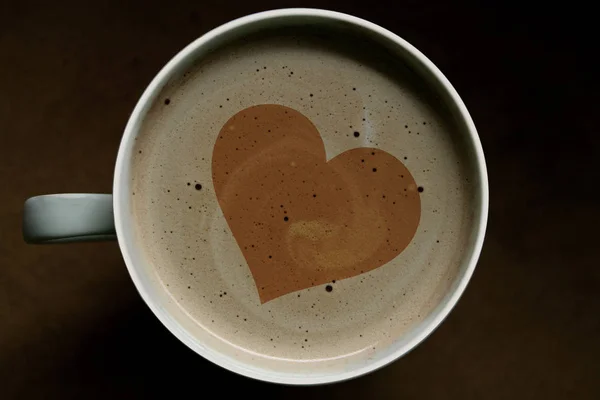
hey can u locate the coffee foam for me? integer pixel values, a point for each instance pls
(191, 252)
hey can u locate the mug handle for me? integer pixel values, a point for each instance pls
(69, 217)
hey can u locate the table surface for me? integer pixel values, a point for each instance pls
(528, 326)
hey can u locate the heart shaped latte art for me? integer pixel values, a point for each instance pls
(299, 219)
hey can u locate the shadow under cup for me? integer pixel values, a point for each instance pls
(199, 284)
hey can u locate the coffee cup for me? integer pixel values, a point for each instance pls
(300, 196)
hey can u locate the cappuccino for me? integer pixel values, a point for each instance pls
(301, 199)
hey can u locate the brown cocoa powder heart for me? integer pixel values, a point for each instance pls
(299, 219)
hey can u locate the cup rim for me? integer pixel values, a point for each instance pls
(121, 190)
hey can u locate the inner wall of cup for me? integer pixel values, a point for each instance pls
(174, 317)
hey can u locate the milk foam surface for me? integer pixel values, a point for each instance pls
(192, 254)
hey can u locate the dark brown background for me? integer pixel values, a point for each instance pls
(71, 323)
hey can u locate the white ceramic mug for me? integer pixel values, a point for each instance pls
(80, 217)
